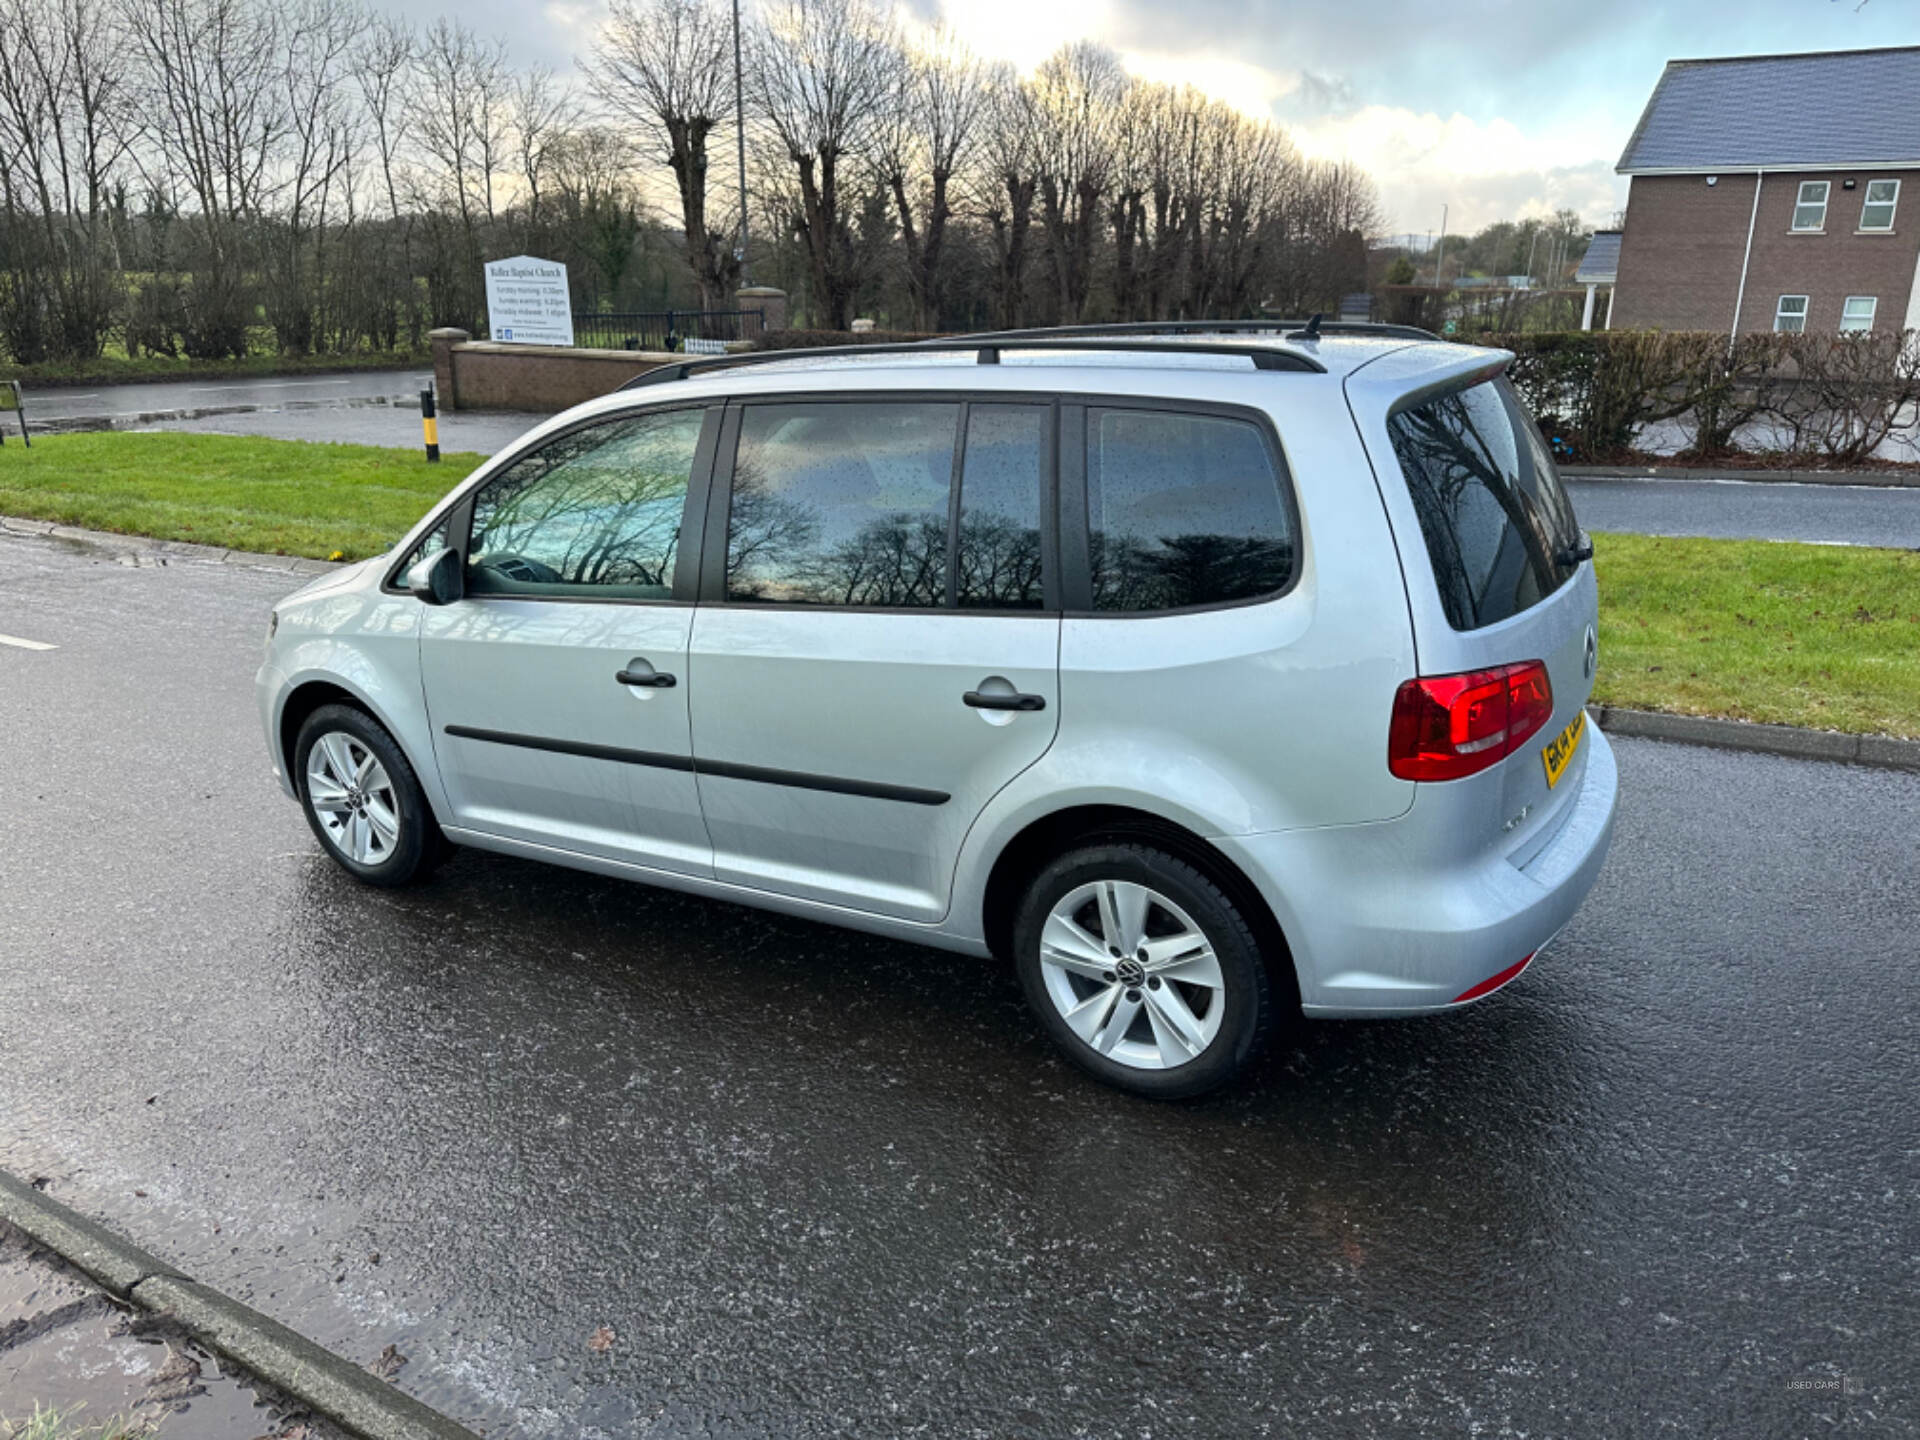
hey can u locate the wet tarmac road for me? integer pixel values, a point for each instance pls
(1748, 510)
(822, 1184)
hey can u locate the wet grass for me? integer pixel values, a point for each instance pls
(283, 497)
(48, 1424)
(1819, 635)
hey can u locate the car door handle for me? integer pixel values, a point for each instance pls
(650, 678)
(1015, 701)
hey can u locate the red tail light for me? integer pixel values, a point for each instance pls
(1449, 726)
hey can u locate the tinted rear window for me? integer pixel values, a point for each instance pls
(1489, 500)
(1182, 510)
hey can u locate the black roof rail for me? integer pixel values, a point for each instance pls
(1214, 327)
(986, 349)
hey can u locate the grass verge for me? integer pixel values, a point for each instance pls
(1819, 635)
(283, 497)
(1816, 635)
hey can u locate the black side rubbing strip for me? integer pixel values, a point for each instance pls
(795, 779)
(656, 759)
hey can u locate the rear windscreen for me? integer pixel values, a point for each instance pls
(1498, 525)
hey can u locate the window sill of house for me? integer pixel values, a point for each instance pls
(1820, 231)
(1876, 232)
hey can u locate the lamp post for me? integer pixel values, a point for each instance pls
(740, 134)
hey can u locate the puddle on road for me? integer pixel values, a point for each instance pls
(65, 1347)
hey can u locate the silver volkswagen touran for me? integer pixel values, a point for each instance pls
(1204, 673)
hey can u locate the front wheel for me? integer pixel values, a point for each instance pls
(1142, 970)
(362, 799)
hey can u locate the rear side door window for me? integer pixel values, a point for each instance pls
(889, 504)
(1183, 510)
(1497, 522)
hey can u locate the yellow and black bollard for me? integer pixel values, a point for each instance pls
(429, 426)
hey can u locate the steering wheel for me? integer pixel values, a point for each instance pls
(519, 568)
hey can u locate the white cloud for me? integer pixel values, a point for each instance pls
(1250, 89)
(1481, 170)
(1026, 32)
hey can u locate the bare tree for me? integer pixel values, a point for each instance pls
(667, 65)
(319, 40)
(459, 117)
(213, 113)
(1005, 181)
(925, 140)
(1076, 95)
(542, 118)
(823, 72)
(65, 122)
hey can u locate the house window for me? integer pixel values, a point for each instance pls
(1810, 210)
(1857, 314)
(1877, 212)
(1790, 315)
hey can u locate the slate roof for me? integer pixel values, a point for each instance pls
(1602, 261)
(1840, 107)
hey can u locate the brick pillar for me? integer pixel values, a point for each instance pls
(443, 342)
(770, 301)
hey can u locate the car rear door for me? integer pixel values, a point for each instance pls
(558, 686)
(1499, 573)
(875, 653)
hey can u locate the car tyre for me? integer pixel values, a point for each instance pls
(1177, 1012)
(362, 799)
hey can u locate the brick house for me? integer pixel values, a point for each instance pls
(1775, 192)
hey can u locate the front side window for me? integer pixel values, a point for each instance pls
(1498, 525)
(842, 503)
(1790, 315)
(1810, 210)
(1182, 510)
(595, 512)
(1876, 211)
(1857, 314)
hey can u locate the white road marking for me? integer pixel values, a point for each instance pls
(18, 643)
(264, 385)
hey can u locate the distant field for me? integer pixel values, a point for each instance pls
(279, 496)
(1818, 635)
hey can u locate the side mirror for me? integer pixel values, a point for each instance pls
(440, 579)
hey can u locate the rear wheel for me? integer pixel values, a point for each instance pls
(1142, 970)
(363, 800)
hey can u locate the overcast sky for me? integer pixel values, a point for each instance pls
(1497, 110)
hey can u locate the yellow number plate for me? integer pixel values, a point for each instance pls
(1559, 752)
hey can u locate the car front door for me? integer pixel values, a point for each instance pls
(876, 651)
(558, 686)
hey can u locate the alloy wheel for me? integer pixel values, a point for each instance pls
(1132, 975)
(353, 798)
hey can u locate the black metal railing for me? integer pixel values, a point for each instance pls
(663, 329)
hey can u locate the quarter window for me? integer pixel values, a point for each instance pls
(1858, 313)
(1876, 212)
(432, 543)
(596, 511)
(1790, 315)
(1182, 510)
(1810, 209)
(842, 504)
(1002, 480)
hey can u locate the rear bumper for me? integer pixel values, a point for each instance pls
(1383, 922)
